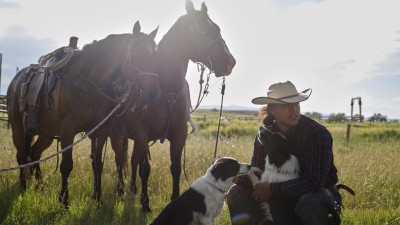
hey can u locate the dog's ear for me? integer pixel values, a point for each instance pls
(216, 158)
(264, 134)
(279, 140)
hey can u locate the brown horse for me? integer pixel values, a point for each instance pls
(87, 88)
(193, 37)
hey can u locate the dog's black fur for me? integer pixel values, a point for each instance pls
(204, 200)
(280, 165)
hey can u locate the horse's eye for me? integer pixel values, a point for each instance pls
(201, 29)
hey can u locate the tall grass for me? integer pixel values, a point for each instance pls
(369, 164)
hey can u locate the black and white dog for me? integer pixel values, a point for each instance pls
(204, 200)
(280, 165)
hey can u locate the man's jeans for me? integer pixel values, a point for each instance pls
(309, 209)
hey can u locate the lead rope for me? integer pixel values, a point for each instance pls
(220, 113)
(201, 81)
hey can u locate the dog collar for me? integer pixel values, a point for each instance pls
(212, 185)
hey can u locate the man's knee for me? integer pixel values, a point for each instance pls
(307, 204)
(243, 208)
(314, 208)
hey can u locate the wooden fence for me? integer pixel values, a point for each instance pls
(3, 109)
(205, 118)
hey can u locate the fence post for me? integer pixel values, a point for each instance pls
(204, 118)
(348, 134)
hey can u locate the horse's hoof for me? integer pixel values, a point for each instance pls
(99, 204)
(134, 189)
(122, 196)
(96, 197)
(64, 200)
(146, 209)
(173, 197)
(134, 197)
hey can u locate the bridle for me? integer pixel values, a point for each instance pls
(207, 58)
(210, 43)
(129, 87)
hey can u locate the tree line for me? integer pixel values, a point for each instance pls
(341, 117)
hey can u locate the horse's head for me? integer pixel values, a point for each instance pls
(203, 41)
(126, 58)
(140, 63)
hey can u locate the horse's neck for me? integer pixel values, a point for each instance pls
(172, 62)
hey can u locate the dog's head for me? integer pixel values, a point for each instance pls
(227, 168)
(275, 144)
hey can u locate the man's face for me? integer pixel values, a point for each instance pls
(286, 115)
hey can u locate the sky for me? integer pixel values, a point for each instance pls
(339, 48)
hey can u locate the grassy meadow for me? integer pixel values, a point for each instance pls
(370, 164)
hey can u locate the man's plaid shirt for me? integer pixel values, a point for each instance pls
(311, 143)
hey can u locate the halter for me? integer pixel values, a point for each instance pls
(129, 59)
(211, 42)
(130, 83)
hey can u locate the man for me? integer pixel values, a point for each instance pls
(314, 195)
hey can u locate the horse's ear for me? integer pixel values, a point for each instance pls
(153, 34)
(189, 6)
(136, 28)
(204, 8)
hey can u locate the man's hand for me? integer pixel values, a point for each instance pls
(243, 180)
(262, 192)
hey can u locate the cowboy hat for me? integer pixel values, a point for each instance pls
(282, 93)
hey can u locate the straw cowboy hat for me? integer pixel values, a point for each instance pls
(282, 93)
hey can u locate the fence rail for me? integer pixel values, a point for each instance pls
(3, 109)
(205, 118)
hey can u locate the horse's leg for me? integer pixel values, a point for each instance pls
(66, 166)
(176, 148)
(144, 172)
(120, 147)
(97, 163)
(134, 165)
(22, 143)
(41, 144)
(139, 157)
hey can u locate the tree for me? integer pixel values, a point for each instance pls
(314, 115)
(377, 117)
(338, 118)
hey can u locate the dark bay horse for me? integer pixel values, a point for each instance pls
(193, 37)
(88, 87)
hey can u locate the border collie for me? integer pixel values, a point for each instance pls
(280, 165)
(204, 200)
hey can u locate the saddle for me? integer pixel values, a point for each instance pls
(35, 77)
(56, 59)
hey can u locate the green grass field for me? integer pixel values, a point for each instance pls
(369, 164)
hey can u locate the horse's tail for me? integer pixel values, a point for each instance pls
(28, 150)
(125, 156)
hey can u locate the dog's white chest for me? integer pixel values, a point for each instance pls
(289, 170)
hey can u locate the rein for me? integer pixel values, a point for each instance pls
(71, 145)
(220, 113)
(201, 81)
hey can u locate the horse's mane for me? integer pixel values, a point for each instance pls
(109, 44)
